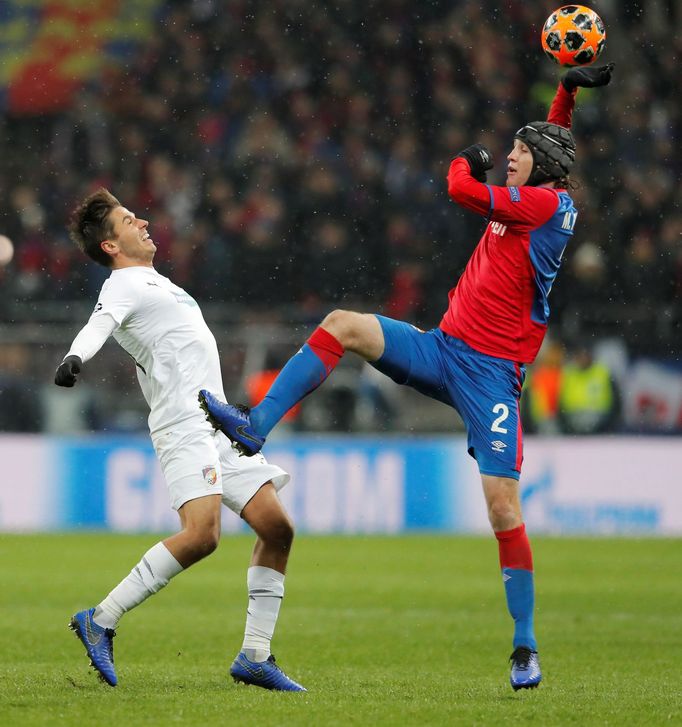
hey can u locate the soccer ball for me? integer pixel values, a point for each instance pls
(573, 35)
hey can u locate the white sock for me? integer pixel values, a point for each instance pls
(266, 590)
(150, 575)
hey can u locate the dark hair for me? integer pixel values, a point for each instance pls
(90, 225)
(566, 183)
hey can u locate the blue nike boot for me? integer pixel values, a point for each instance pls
(525, 669)
(264, 674)
(98, 643)
(233, 421)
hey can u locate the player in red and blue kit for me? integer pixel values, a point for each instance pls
(474, 360)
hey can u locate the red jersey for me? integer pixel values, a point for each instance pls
(500, 304)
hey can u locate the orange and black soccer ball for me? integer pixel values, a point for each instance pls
(573, 35)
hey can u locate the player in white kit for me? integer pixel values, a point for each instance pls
(163, 330)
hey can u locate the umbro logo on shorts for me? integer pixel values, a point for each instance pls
(498, 445)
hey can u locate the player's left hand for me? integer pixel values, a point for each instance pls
(587, 77)
(480, 160)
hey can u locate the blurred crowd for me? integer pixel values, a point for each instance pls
(291, 155)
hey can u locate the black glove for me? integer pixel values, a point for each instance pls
(67, 371)
(587, 77)
(480, 160)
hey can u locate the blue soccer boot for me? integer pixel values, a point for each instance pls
(525, 669)
(98, 643)
(264, 674)
(233, 421)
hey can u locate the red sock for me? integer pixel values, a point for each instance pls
(326, 347)
(514, 548)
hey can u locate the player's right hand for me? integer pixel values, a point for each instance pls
(67, 371)
(480, 160)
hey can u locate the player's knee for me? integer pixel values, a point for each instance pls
(279, 534)
(349, 328)
(204, 540)
(339, 324)
(502, 499)
(209, 543)
(503, 512)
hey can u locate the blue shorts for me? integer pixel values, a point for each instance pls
(484, 390)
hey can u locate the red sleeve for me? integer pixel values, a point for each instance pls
(561, 110)
(527, 207)
(465, 190)
(524, 206)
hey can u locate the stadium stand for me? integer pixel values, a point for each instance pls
(291, 157)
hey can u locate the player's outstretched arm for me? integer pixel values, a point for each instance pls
(561, 110)
(86, 344)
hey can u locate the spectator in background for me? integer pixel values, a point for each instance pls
(540, 402)
(590, 276)
(20, 406)
(671, 240)
(647, 274)
(589, 401)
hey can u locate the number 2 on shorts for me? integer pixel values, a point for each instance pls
(503, 411)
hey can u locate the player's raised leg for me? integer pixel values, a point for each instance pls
(255, 663)
(339, 332)
(516, 562)
(96, 627)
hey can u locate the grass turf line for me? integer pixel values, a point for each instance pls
(382, 631)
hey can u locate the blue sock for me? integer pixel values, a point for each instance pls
(302, 373)
(520, 590)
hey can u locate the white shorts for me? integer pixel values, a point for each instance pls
(199, 463)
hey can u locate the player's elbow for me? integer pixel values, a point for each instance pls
(455, 187)
(460, 182)
(453, 191)
(463, 196)
(458, 194)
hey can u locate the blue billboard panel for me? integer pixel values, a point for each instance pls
(597, 485)
(371, 485)
(337, 484)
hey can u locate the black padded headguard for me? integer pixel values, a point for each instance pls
(553, 150)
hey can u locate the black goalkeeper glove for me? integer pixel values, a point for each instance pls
(587, 77)
(480, 160)
(67, 371)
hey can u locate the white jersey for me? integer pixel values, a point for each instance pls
(162, 328)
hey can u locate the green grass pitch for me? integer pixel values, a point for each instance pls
(382, 631)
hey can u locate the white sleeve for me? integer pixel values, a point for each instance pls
(92, 337)
(118, 299)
